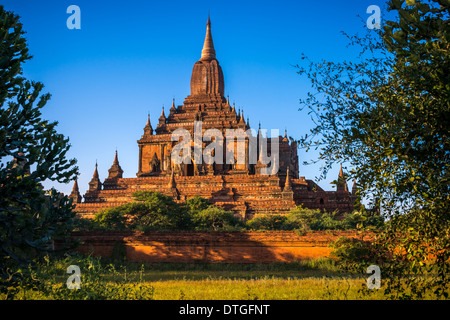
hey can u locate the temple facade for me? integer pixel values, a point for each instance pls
(238, 179)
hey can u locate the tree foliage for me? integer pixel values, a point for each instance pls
(31, 151)
(156, 211)
(197, 204)
(215, 219)
(387, 115)
(304, 219)
(149, 211)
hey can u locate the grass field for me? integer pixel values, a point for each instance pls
(100, 279)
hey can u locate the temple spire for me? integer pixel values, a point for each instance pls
(163, 116)
(114, 174)
(116, 160)
(95, 184)
(95, 175)
(115, 171)
(285, 135)
(287, 183)
(161, 127)
(208, 52)
(207, 80)
(75, 186)
(75, 194)
(173, 109)
(341, 172)
(354, 187)
(342, 182)
(148, 130)
(242, 120)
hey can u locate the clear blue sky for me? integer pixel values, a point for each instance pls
(133, 57)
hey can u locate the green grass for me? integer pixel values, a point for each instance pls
(104, 279)
(260, 289)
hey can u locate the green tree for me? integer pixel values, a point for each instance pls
(387, 115)
(267, 222)
(215, 218)
(154, 210)
(197, 204)
(149, 211)
(111, 218)
(31, 151)
(302, 218)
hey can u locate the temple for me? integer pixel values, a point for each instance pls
(243, 187)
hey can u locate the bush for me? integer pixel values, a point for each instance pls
(156, 211)
(99, 281)
(151, 211)
(111, 219)
(313, 219)
(215, 218)
(85, 224)
(267, 222)
(301, 218)
(197, 204)
(352, 254)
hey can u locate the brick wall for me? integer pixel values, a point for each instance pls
(226, 247)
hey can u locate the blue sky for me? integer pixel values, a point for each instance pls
(130, 58)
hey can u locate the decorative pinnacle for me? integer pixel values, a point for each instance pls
(208, 52)
(173, 109)
(95, 171)
(287, 183)
(116, 160)
(241, 120)
(341, 172)
(163, 116)
(75, 186)
(148, 127)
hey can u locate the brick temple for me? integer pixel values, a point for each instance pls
(239, 186)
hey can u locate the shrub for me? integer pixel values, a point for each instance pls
(352, 254)
(197, 204)
(313, 219)
(301, 218)
(85, 224)
(111, 219)
(151, 211)
(156, 211)
(268, 222)
(215, 218)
